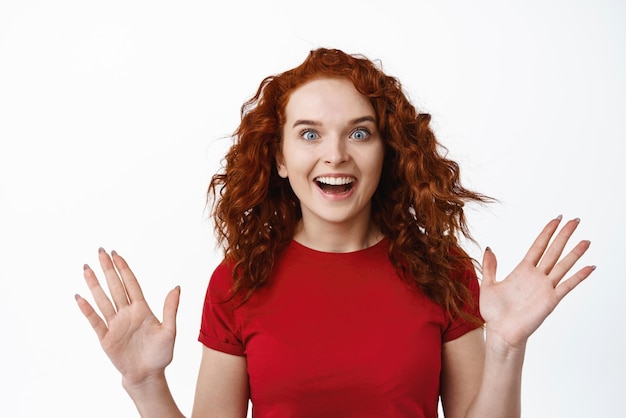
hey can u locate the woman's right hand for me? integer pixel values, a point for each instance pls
(137, 343)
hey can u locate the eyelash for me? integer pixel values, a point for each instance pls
(307, 131)
(366, 132)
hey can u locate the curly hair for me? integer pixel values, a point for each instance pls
(418, 204)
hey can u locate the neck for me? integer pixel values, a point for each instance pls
(338, 238)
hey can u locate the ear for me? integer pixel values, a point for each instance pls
(280, 165)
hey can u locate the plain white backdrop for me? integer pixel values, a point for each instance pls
(114, 115)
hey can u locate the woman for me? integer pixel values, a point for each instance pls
(343, 290)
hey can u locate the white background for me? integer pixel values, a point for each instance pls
(114, 115)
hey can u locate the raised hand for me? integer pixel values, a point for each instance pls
(516, 306)
(137, 343)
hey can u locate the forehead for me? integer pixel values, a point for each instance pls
(327, 98)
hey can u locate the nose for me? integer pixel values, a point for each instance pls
(335, 151)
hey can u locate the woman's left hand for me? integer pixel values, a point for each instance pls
(516, 306)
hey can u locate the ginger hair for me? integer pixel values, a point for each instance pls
(418, 204)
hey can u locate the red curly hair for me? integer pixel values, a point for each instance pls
(418, 204)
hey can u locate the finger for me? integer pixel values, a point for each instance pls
(568, 285)
(490, 264)
(540, 244)
(116, 287)
(102, 300)
(133, 290)
(565, 265)
(170, 308)
(94, 319)
(555, 249)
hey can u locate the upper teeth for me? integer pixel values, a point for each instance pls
(335, 181)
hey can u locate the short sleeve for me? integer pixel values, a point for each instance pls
(219, 329)
(459, 326)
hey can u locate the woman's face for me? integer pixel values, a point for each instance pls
(332, 152)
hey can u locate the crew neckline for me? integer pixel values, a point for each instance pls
(373, 247)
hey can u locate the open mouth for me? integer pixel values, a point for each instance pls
(335, 185)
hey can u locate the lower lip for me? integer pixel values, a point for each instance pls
(335, 197)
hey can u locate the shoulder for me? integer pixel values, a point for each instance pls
(221, 283)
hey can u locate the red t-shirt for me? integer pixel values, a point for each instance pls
(334, 335)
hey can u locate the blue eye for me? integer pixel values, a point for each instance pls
(309, 135)
(360, 134)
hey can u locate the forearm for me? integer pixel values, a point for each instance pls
(153, 398)
(499, 394)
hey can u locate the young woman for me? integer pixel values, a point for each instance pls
(343, 291)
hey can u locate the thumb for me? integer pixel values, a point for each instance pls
(170, 308)
(490, 265)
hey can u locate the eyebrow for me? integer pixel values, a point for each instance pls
(352, 122)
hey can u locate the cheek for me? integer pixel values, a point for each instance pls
(375, 163)
(295, 161)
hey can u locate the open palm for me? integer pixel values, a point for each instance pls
(136, 342)
(516, 306)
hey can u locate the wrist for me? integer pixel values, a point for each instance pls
(502, 347)
(136, 386)
(152, 396)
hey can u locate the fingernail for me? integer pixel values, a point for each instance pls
(577, 220)
(560, 217)
(100, 250)
(488, 248)
(86, 267)
(76, 297)
(593, 267)
(114, 252)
